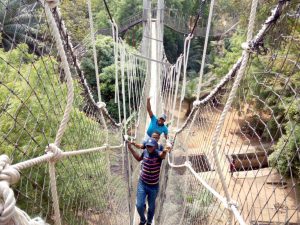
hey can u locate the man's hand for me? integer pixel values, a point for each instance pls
(135, 154)
(148, 99)
(169, 143)
(164, 152)
(167, 149)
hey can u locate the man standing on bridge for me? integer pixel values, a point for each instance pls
(156, 124)
(148, 184)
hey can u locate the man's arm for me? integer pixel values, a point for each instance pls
(140, 146)
(134, 153)
(166, 136)
(149, 107)
(164, 152)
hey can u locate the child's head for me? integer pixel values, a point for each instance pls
(156, 135)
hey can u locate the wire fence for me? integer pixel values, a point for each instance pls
(92, 188)
(258, 147)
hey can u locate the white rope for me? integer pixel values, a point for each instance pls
(129, 83)
(186, 50)
(167, 84)
(9, 174)
(257, 40)
(52, 3)
(9, 213)
(54, 193)
(188, 165)
(68, 77)
(178, 72)
(237, 214)
(54, 153)
(151, 60)
(94, 48)
(169, 89)
(70, 96)
(96, 67)
(222, 199)
(24, 219)
(231, 96)
(115, 33)
(122, 65)
(141, 105)
(205, 47)
(90, 150)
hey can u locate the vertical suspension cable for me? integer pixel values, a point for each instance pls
(94, 49)
(123, 86)
(231, 96)
(115, 35)
(178, 71)
(205, 48)
(96, 67)
(186, 50)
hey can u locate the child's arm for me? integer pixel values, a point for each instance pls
(140, 146)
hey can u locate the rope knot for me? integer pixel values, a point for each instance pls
(126, 137)
(57, 153)
(247, 46)
(190, 37)
(52, 3)
(106, 146)
(232, 203)
(7, 204)
(196, 103)
(8, 175)
(188, 163)
(101, 105)
(7, 172)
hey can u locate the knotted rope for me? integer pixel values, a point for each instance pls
(9, 213)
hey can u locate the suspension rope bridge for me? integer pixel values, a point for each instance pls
(173, 21)
(87, 176)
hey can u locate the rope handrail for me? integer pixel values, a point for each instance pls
(235, 69)
(222, 199)
(53, 152)
(89, 99)
(254, 45)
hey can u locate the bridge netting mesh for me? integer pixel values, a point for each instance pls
(258, 145)
(96, 177)
(93, 188)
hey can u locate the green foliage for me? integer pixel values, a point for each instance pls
(127, 8)
(18, 23)
(199, 204)
(184, 7)
(104, 50)
(32, 102)
(106, 68)
(286, 152)
(173, 44)
(223, 64)
(75, 14)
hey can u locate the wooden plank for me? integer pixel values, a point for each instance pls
(249, 161)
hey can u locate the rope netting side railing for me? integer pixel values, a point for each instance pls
(258, 145)
(89, 185)
(89, 102)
